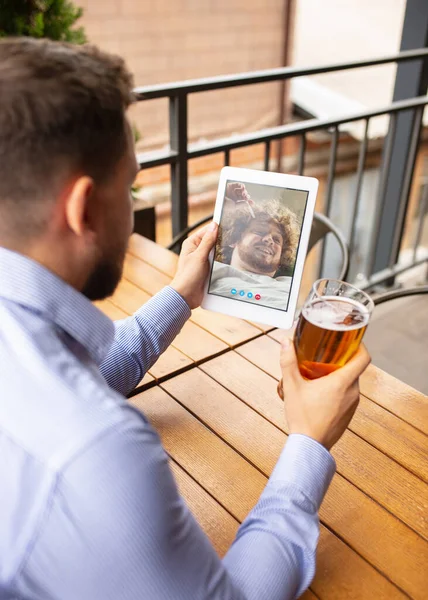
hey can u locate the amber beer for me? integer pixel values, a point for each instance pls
(328, 334)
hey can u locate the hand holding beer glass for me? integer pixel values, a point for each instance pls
(330, 327)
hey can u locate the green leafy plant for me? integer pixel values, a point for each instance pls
(137, 137)
(136, 133)
(53, 19)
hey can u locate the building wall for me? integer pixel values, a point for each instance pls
(171, 40)
(338, 31)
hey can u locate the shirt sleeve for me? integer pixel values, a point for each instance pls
(140, 340)
(117, 529)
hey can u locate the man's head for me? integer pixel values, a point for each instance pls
(66, 160)
(265, 245)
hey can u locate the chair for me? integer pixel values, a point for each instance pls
(321, 227)
(413, 291)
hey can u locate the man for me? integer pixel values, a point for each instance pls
(88, 506)
(256, 250)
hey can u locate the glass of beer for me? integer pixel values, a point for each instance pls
(331, 326)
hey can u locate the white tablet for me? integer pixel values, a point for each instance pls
(256, 266)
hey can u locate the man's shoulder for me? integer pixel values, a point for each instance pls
(54, 423)
(53, 404)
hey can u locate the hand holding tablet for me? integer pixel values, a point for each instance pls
(264, 227)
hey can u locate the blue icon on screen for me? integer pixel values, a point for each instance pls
(249, 295)
(242, 293)
(233, 291)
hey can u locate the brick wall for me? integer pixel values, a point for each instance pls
(170, 40)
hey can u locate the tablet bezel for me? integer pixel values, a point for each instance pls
(246, 310)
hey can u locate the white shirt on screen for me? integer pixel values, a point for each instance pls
(274, 292)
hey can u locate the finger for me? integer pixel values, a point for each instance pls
(193, 241)
(355, 367)
(288, 362)
(208, 240)
(359, 363)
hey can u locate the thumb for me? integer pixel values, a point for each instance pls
(208, 240)
(288, 362)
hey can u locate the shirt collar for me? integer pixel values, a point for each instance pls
(26, 282)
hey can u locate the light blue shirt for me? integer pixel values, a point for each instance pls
(89, 509)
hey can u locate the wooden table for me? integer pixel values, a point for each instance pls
(212, 398)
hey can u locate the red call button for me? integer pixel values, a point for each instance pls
(257, 297)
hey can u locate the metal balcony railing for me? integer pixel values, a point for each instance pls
(180, 151)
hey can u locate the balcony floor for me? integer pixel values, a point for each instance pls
(397, 339)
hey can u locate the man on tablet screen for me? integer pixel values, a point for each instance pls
(256, 249)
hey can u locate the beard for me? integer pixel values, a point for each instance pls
(255, 258)
(104, 279)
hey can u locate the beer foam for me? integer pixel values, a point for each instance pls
(329, 312)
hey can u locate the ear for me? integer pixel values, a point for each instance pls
(76, 205)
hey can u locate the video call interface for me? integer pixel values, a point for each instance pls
(259, 235)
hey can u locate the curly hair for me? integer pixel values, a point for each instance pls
(235, 223)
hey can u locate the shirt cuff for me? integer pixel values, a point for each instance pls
(307, 465)
(168, 311)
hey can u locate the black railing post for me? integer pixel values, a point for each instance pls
(179, 173)
(411, 80)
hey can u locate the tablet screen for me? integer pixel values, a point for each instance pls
(257, 244)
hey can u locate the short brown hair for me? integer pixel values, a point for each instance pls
(238, 220)
(61, 112)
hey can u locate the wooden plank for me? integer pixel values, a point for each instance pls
(197, 343)
(109, 309)
(129, 297)
(264, 353)
(237, 485)
(389, 545)
(229, 330)
(343, 575)
(401, 558)
(396, 396)
(162, 259)
(403, 494)
(193, 341)
(308, 595)
(228, 417)
(170, 362)
(216, 522)
(391, 435)
(144, 275)
(390, 393)
(280, 334)
(147, 380)
(385, 431)
(262, 326)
